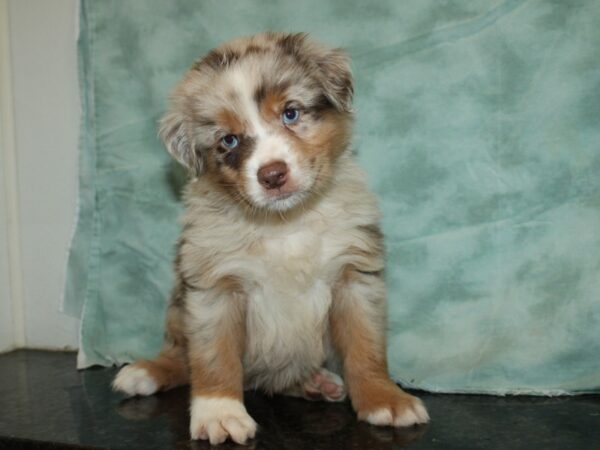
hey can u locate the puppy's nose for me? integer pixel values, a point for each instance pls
(273, 175)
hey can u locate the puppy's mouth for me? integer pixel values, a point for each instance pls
(281, 193)
(283, 199)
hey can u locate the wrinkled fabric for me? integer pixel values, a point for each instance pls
(478, 125)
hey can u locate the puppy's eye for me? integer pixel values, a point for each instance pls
(230, 141)
(290, 116)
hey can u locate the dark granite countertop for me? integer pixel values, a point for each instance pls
(46, 403)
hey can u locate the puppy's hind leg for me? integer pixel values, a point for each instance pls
(148, 376)
(328, 385)
(322, 385)
(168, 370)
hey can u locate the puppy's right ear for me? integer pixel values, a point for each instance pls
(179, 142)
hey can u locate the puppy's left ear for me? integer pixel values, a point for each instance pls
(179, 142)
(334, 65)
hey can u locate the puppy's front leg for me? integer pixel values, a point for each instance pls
(216, 335)
(358, 324)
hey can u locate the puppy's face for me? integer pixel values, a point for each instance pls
(264, 118)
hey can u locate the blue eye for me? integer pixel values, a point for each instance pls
(230, 141)
(290, 116)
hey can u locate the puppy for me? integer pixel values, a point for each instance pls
(279, 268)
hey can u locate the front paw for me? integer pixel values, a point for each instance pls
(391, 406)
(218, 418)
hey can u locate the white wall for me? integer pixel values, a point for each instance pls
(46, 121)
(6, 317)
(8, 337)
(6, 326)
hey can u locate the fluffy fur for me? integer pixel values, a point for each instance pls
(279, 267)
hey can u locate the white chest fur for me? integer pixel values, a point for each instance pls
(287, 310)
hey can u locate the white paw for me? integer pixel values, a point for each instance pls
(327, 384)
(416, 415)
(412, 414)
(381, 417)
(134, 381)
(218, 418)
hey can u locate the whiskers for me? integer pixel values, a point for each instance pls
(283, 210)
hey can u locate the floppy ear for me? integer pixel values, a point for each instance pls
(179, 142)
(332, 67)
(337, 78)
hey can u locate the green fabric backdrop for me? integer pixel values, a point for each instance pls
(478, 124)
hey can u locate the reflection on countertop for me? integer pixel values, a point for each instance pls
(47, 403)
